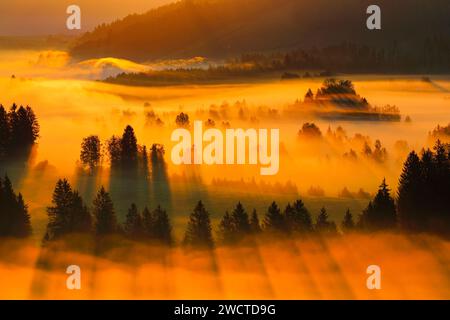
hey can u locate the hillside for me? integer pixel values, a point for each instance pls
(224, 28)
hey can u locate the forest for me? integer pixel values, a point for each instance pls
(420, 205)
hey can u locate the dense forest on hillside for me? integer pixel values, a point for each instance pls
(229, 28)
(346, 57)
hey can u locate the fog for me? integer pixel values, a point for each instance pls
(69, 107)
(334, 268)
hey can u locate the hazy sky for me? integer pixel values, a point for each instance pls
(42, 17)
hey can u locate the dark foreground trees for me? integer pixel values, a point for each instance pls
(199, 230)
(19, 130)
(91, 152)
(14, 217)
(424, 191)
(154, 227)
(68, 213)
(381, 213)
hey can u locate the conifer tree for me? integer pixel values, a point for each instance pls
(298, 218)
(226, 231)
(90, 154)
(255, 226)
(81, 220)
(4, 133)
(147, 223)
(103, 211)
(382, 212)
(22, 226)
(59, 214)
(128, 147)
(133, 227)
(162, 226)
(240, 221)
(198, 233)
(323, 225)
(348, 224)
(14, 217)
(68, 213)
(274, 220)
(410, 202)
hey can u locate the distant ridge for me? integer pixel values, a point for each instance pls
(226, 28)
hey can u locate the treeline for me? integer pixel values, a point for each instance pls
(122, 152)
(70, 215)
(424, 191)
(349, 57)
(314, 62)
(422, 205)
(14, 217)
(19, 129)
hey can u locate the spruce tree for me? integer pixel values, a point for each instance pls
(90, 154)
(14, 217)
(298, 218)
(22, 226)
(255, 226)
(440, 207)
(240, 221)
(226, 230)
(348, 224)
(162, 226)
(59, 215)
(103, 211)
(148, 223)
(198, 233)
(4, 133)
(274, 220)
(410, 203)
(128, 148)
(133, 226)
(323, 225)
(382, 214)
(68, 213)
(81, 220)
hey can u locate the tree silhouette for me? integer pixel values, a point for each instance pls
(128, 148)
(226, 231)
(423, 202)
(162, 228)
(24, 127)
(255, 226)
(182, 120)
(274, 220)
(68, 214)
(323, 225)
(348, 223)
(309, 96)
(114, 151)
(90, 154)
(103, 211)
(147, 223)
(14, 217)
(298, 218)
(81, 220)
(241, 221)
(19, 130)
(381, 212)
(198, 233)
(133, 226)
(144, 157)
(4, 133)
(410, 202)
